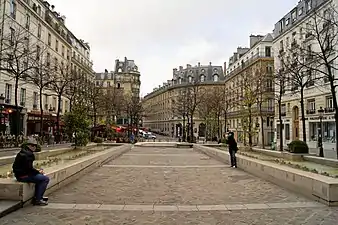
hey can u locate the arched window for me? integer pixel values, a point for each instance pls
(202, 78)
(190, 79)
(180, 80)
(118, 85)
(119, 70)
(216, 77)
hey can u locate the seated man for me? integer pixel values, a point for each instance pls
(25, 172)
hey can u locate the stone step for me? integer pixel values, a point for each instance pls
(7, 207)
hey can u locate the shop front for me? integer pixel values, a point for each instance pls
(34, 123)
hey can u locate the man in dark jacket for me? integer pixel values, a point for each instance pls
(232, 149)
(25, 172)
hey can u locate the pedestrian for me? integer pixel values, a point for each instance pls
(232, 149)
(25, 172)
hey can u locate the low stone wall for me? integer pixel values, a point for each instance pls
(157, 144)
(298, 157)
(315, 186)
(59, 175)
(320, 160)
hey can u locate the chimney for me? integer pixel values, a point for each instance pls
(105, 70)
(210, 63)
(199, 64)
(188, 66)
(225, 67)
(181, 68)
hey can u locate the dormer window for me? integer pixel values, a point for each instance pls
(216, 78)
(179, 80)
(202, 78)
(190, 79)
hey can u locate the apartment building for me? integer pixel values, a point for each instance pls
(45, 35)
(291, 31)
(159, 115)
(123, 83)
(246, 67)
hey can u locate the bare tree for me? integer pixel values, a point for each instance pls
(280, 80)
(179, 108)
(194, 92)
(18, 54)
(41, 78)
(133, 110)
(319, 47)
(62, 77)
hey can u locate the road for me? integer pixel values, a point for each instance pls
(170, 186)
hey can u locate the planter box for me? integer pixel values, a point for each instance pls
(315, 186)
(59, 175)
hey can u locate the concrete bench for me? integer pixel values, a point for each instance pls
(184, 145)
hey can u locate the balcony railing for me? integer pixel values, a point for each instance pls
(329, 110)
(311, 111)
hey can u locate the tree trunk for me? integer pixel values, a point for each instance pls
(183, 129)
(335, 106)
(95, 117)
(303, 113)
(17, 110)
(262, 125)
(218, 126)
(41, 112)
(192, 128)
(58, 120)
(280, 123)
(250, 127)
(225, 122)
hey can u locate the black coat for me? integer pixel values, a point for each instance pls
(23, 164)
(232, 144)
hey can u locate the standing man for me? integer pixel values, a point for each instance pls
(25, 172)
(232, 149)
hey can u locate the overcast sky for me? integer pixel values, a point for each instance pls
(163, 34)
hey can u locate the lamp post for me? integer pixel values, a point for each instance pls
(320, 133)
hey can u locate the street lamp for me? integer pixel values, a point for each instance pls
(320, 133)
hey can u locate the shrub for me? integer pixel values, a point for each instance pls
(98, 140)
(298, 146)
(81, 139)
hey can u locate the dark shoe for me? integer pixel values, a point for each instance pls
(41, 203)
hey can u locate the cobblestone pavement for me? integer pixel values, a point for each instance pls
(159, 187)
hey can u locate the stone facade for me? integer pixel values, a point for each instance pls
(158, 105)
(247, 65)
(293, 29)
(48, 34)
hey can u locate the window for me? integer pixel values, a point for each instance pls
(63, 51)
(68, 53)
(8, 93)
(54, 103)
(39, 10)
(118, 85)
(179, 80)
(38, 52)
(281, 45)
(12, 35)
(329, 102)
(108, 83)
(13, 9)
(268, 51)
(46, 101)
(56, 45)
(49, 39)
(22, 96)
(39, 30)
(308, 5)
(216, 77)
(35, 100)
(311, 105)
(287, 131)
(283, 109)
(300, 11)
(28, 18)
(61, 105)
(202, 78)
(294, 15)
(48, 59)
(56, 64)
(271, 104)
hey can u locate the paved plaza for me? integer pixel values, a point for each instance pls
(163, 186)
